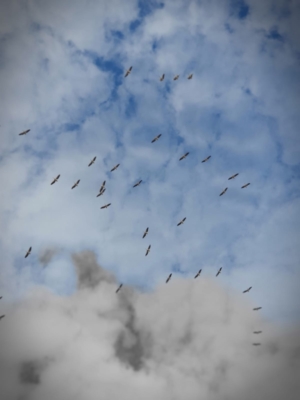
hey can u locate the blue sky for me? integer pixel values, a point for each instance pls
(62, 76)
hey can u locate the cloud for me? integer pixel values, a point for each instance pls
(47, 255)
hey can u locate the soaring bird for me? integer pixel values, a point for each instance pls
(169, 277)
(206, 159)
(156, 138)
(119, 288)
(55, 179)
(106, 205)
(101, 192)
(233, 176)
(198, 273)
(181, 222)
(176, 77)
(218, 273)
(114, 168)
(102, 186)
(0, 297)
(28, 252)
(92, 162)
(181, 158)
(256, 344)
(257, 332)
(162, 77)
(190, 76)
(128, 72)
(247, 290)
(257, 308)
(147, 252)
(145, 233)
(2, 316)
(24, 132)
(137, 184)
(244, 186)
(224, 191)
(75, 184)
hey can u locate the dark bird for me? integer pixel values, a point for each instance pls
(137, 184)
(181, 158)
(2, 316)
(218, 273)
(24, 132)
(257, 332)
(75, 184)
(119, 288)
(128, 72)
(101, 192)
(92, 162)
(147, 252)
(55, 179)
(257, 308)
(145, 233)
(243, 187)
(162, 77)
(0, 297)
(233, 176)
(206, 159)
(198, 273)
(176, 77)
(190, 76)
(114, 168)
(247, 290)
(106, 205)
(224, 191)
(28, 252)
(181, 222)
(169, 277)
(156, 138)
(256, 344)
(102, 186)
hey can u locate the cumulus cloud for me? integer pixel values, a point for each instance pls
(187, 339)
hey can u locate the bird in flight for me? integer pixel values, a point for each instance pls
(244, 186)
(190, 76)
(198, 273)
(24, 132)
(101, 192)
(247, 290)
(257, 308)
(75, 184)
(169, 277)
(233, 176)
(176, 77)
(162, 77)
(102, 186)
(119, 288)
(0, 297)
(147, 252)
(145, 233)
(106, 205)
(114, 168)
(55, 179)
(206, 159)
(257, 332)
(28, 252)
(2, 316)
(224, 191)
(156, 138)
(92, 162)
(137, 184)
(256, 344)
(181, 158)
(218, 273)
(128, 72)
(181, 222)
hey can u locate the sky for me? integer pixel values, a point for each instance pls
(62, 67)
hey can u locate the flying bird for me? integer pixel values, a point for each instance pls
(119, 288)
(145, 233)
(257, 332)
(224, 191)
(92, 162)
(2, 316)
(101, 192)
(75, 184)
(233, 176)
(176, 77)
(206, 159)
(128, 72)
(55, 179)
(181, 158)
(147, 252)
(162, 77)
(169, 277)
(114, 168)
(137, 184)
(198, 273)
(257, 308)
(243, 187)
(181, 222)
(218, 273)
(256, 344)
(156, 138)
(106, 205)
(24, 132)
(102, 186)
(190, 76)
(28, 252)
(0, 297)
(247, 290)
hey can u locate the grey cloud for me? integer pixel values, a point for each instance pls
(46, 256)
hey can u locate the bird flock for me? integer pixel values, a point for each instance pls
(103, 189)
